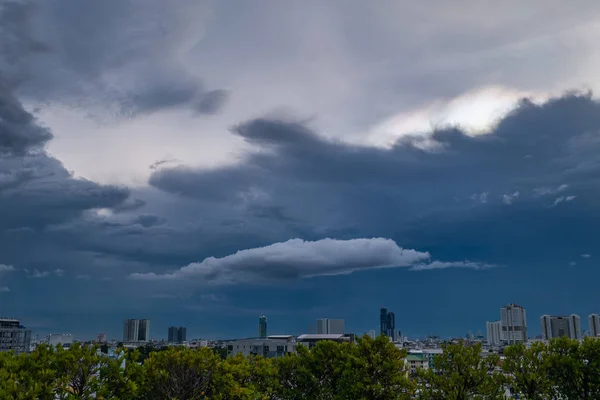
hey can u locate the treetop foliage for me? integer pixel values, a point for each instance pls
(371, 369)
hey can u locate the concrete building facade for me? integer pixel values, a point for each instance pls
(493, 333)
(14, 336)
(594, 325)
(136, 330)
(513, 326)
(553, 326)
(327, 326)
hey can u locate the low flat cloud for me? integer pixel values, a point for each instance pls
(37, 274)
(457, 264)
(4, 289)
(296, 259)
(6, 268)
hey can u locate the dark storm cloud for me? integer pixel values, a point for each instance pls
(120, 57)
(19, 132)
(538, 164)
(37, 192)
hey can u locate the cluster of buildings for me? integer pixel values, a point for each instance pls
(512, 326)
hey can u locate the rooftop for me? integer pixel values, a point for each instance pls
(321, 336)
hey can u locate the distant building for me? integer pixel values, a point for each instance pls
(262, 326)
(14, 336)
(559, 326)
(513, 324)
(372, 333)
(177, 334)
(101, 338)
(387, 323)
(144, 330)
(269, 347)
(594, 324)
(327, 326)
(136, 330)
(416, 361)
(64, 339)
(493, 330)
(310, 340)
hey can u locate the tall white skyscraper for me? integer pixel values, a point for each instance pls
(372, 334)
(513, 324)
(330, 326)
(594, 324)
(136, 330)
(557, 326)
(493, 330)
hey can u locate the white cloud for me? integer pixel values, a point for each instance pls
(4, 289)
(572, 263)
(543, 191)
(296, 259)
(563, 199)
(481, 197)
(454, 264)
(37, 274)
(6, 268)
(586, 255)
(510, 198)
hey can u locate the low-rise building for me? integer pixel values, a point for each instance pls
(310, 340)
(269, 347)
(416, 361)
(64, 339)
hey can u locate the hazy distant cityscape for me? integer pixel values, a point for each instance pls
(511, 328)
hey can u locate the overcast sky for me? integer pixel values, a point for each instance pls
(199, 163)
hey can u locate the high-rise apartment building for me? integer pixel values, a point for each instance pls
(594, 324)
(63, 339)
(136, 330)
(513, 320)
(330, 326)
(387, 323)
(177, 334)
(493, 330)
(372, 333)
(262, 326)
(558, 326)
(14, 336)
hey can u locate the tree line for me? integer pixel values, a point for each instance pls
(370, 369)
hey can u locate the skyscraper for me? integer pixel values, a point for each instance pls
(594, 324)
(493, 330)
(387, 323)
(330, 326)
(172, 334)
(136, 330)
(514, 324)
(177, 334)
(144, 330)
(558, 326)
(383, 321)
(130, 330)
(262, 326)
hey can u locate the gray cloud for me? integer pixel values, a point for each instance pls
(4, 289)
(19, 132)
(444, 264)
(6, 268)
(37, 274)
(296, 259)
(119, 56)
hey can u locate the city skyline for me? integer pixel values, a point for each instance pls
(203, 162)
